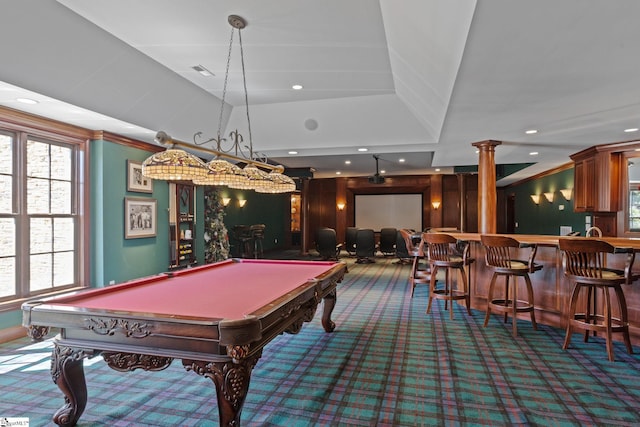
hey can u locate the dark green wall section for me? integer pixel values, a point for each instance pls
(114, 258)
(546, 218)
(269, 209)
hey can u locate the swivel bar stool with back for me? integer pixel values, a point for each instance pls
(585, 266)
(420, 273)
(500, 256)
(442, 253)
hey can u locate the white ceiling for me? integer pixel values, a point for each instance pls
(415, 79)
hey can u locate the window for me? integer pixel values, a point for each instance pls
(632, 194)
(40, 225)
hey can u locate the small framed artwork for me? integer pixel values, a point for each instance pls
(140, 217)
(135, 180)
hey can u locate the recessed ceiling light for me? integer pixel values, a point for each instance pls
(296, 87)
(27, 101)
(631, 130)
(338, 173)
(533, 153)
(347, 162)
(293, 152)
(437, 169)
(530, 131)
(383, 171)
(363, 149)
(202, 70)
(401, 160)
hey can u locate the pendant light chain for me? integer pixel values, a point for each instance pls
(171, 164)
(246, 96)
(224, 90)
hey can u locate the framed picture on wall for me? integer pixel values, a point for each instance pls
(140, 217)
(135, 181)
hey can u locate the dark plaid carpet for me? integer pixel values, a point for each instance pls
(387, 364)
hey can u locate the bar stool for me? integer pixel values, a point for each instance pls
(585, 260)
(242, 234)
(500, 257)
(420, 274)
(442, 253)
(257, 235)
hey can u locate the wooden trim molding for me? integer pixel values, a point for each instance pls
(541, 175)
(12, 333)
(25, 122)
(123, 140)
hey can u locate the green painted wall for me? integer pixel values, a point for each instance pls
(9, 319)
(546, 218)
(114, 258)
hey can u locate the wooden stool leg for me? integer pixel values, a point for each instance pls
(514, 307)
(467, 293)
(590, 310)
(432, 287)
(571, 315)
(624, 317)
(506, 296)
(449, 290)
(489, 299)
(412, 279)
(607, 323)
(527, 279)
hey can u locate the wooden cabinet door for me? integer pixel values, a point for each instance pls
(585, 191)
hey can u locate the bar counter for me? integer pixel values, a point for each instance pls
(551, 288)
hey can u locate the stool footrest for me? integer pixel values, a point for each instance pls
(507, 306)
(451, 294)
(597, 323)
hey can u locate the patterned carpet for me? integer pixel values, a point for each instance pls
(387, 364)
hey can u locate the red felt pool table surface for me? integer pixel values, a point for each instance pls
(225, 290)
(216, 318)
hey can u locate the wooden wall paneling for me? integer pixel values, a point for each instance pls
(471, 200)
(450, 202)
(436, 195)
(341, 215)
(606, 222)
(322, 202)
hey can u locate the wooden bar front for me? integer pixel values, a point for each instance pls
(551, 288)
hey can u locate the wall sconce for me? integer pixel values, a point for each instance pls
(535, 198)
(566, 193)
(435, 205)
(549, 196)
(241, 203)
(226, 201)
(341, 206)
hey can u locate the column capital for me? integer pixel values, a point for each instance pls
(489, 143)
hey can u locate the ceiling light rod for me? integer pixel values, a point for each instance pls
(165, 139)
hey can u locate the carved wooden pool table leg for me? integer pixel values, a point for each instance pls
(68, 374)
(231, 379)
(329, 304)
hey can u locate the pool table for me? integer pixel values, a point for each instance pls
(215, 318)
